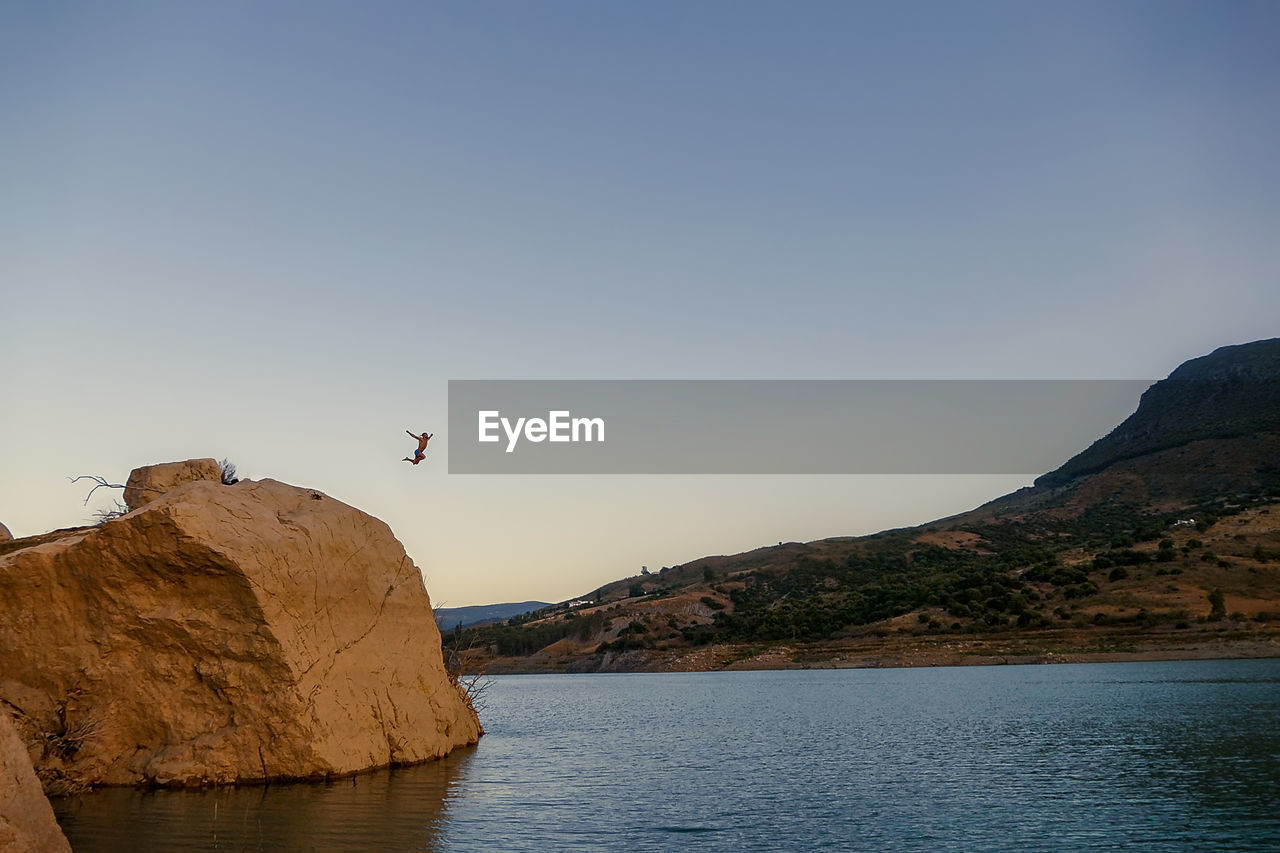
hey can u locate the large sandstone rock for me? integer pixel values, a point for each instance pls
(149, 482)
(27, 824)
(5, 535)
(224, 634)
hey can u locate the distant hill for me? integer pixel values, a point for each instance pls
(450, 617)
(1234, 391)
(1161, 539)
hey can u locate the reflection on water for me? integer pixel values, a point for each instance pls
(1150, 756)
(399, 809)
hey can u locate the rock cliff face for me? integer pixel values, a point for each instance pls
(27, 824)
(224, 634)
(5, 535)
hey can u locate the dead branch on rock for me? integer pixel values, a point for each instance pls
(104, 515)
(472, 686)
(101, 481)
(68, 735)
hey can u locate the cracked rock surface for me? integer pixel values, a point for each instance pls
(219, 634)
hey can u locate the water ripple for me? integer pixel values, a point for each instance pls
(1159, 756)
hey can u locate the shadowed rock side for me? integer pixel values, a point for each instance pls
(224, 634)
(27, 824)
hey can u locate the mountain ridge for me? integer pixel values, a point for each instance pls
(1159, 537)
(449, 618)
(1231, 392)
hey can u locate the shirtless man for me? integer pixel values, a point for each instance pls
(421, 452)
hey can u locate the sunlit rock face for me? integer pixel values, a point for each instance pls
(149, 482)
(224, 633)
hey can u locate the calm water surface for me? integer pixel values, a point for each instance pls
(1151, 756)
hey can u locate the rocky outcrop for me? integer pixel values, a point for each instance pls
(149, 482)
(5, 535)
(27, 824)
(224, 634)
(1230, 393)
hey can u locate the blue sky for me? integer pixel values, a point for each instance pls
(273, 231)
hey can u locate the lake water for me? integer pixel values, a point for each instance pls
(1144, 756)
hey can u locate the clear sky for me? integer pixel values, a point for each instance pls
(273, 231)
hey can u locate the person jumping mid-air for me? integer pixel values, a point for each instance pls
(421, 452)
